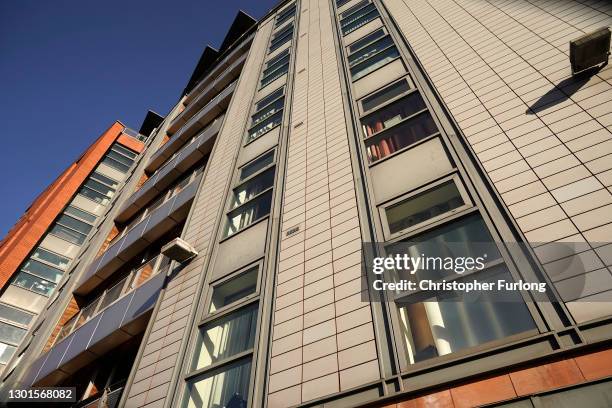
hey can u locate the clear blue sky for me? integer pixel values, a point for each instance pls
(68, 69)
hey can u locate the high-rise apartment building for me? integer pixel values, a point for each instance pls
(48, 238)
(228, 273)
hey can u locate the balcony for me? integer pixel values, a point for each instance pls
(218, 70)
(114, 317)
(207, 94)
(213, 108)
(190, 154)
(154, 223)
(175, 143)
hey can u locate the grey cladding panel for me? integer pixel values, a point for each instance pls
(415, 167)
(241, 249)
(80, 339)
(144, 298)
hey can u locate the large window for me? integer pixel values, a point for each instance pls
(252, 198)
(42, 270)
(268, 115)
(385, 95)
(448, 322)
(120, 158)
(392, 114)
(71, 229)
(357, 16)
(34, 283)
(398, 137)
(99, 188)
(281, 37)
(14, 315)
(276, 68)
(424, 207)
(52, 258)
(221, 368)
(285, 15)
(370, 53)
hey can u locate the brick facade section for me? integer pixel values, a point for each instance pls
(323, 338)
(159, 362)
(30, 228)
(502, 68)
(517, 383)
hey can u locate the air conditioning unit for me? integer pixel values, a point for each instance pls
(590, 50)
(179, 250)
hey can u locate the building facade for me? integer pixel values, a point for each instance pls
(229, 270)
(48, 238)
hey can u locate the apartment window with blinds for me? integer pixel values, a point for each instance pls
(370, 53)
(268, 115)
(396, 118)
(357, 16)
(281, 37)
(285, 15)
(252, 199)
(275, 68)
(441, 324)
(221, 369)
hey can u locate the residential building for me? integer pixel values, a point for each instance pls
(229, 271)
(47, 240)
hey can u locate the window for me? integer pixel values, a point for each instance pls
(124, 151)
(93, 195)
(248, 190)
(268, 111)
(256, 165)
(119, 157)
(259, 105)
(227, 386)
(251, 200)
(51, 257)
(227, 336)
(83, 215)
(363, 41)
(285, 15)
(340, 3)
(6, 352)
(385, 95)
(392, 114)
(71, 229)
(398, 137)
(447, 322)
(104, 179)
(357, 16)
(424, 207)
(281, 37)
(15, 315)
(33, 283)
(264, 126)
(275, 68)
(42, 270)
(234, 289)
(372, 57)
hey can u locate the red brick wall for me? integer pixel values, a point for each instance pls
(517, 383)
(26, 233)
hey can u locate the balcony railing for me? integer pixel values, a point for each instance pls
(156, 204)
(133, 280)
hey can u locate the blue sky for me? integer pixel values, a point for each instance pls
(68, 69)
